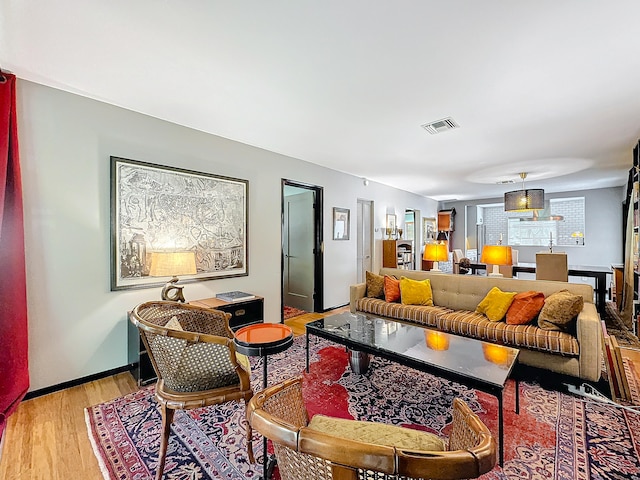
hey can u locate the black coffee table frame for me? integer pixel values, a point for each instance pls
(317, 328)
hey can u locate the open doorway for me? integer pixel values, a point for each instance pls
(412, 234)
(302, 266)
(364, 250)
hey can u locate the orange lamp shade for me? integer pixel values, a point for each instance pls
(496, 255)
(495, 354)
(436, 252)
(436, 340)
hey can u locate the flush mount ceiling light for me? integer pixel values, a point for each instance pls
(524, 200)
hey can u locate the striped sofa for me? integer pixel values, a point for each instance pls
(455, 298)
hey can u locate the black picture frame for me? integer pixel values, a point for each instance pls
(161, 208)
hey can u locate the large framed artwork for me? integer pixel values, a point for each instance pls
(163, 209)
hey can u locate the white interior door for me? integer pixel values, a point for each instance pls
(410, 231)
(364, 238)
(298, 238)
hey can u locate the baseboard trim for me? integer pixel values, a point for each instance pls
(333, 308)
(76, 382)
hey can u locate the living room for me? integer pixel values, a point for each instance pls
(78, 325)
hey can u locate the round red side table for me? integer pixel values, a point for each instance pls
(262, 340)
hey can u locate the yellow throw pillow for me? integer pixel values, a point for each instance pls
(495, 304)
(415, 292)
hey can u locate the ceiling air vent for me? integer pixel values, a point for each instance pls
(440, 125)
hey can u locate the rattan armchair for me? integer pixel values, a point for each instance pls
(193, 354)
(303, 453)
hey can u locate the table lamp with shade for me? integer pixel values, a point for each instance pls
(496, 255)
(436, 252)
(166, 264)
(497, 354)
(436, 340)
(579, 237)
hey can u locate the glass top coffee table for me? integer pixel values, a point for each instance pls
(476, 364)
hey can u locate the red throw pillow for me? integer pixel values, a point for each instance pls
(391, 289)
(525, 307)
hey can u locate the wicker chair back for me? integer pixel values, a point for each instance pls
(302, 453)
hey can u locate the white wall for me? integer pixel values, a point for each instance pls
(77, 326)
(603, 227)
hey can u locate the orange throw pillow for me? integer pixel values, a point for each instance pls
(525, 307)
(391, 289)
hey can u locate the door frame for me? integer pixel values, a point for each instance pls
(318, 244)
(359, 228)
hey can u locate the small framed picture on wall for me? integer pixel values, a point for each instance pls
(428, 230)
(341, 223)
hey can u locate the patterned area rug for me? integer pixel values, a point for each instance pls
(290, 312)
(556, 436)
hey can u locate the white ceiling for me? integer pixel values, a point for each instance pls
(548, 87)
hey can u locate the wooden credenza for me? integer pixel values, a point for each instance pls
(398, 254)
(243, 313)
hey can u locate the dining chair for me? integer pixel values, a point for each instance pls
(552, 266)
(331, 449)
(457, 256)
(192, 352)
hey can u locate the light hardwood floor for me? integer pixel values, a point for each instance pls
(46, 438)
(297, 323)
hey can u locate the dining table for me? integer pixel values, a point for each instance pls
(598, 272)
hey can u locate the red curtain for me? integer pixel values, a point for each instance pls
(14, 368)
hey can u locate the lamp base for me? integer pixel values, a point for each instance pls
(172, 292)
(435, 268)
(495, 272)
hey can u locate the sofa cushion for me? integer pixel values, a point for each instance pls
(525, 307)
(415, 292)
(375, 285)
(391, 289)
(420, 314)
(560, 311)
(377, 433)
(495, 304)
(476, 325)
(174, 324)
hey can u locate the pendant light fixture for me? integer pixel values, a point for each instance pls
(524, 200)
